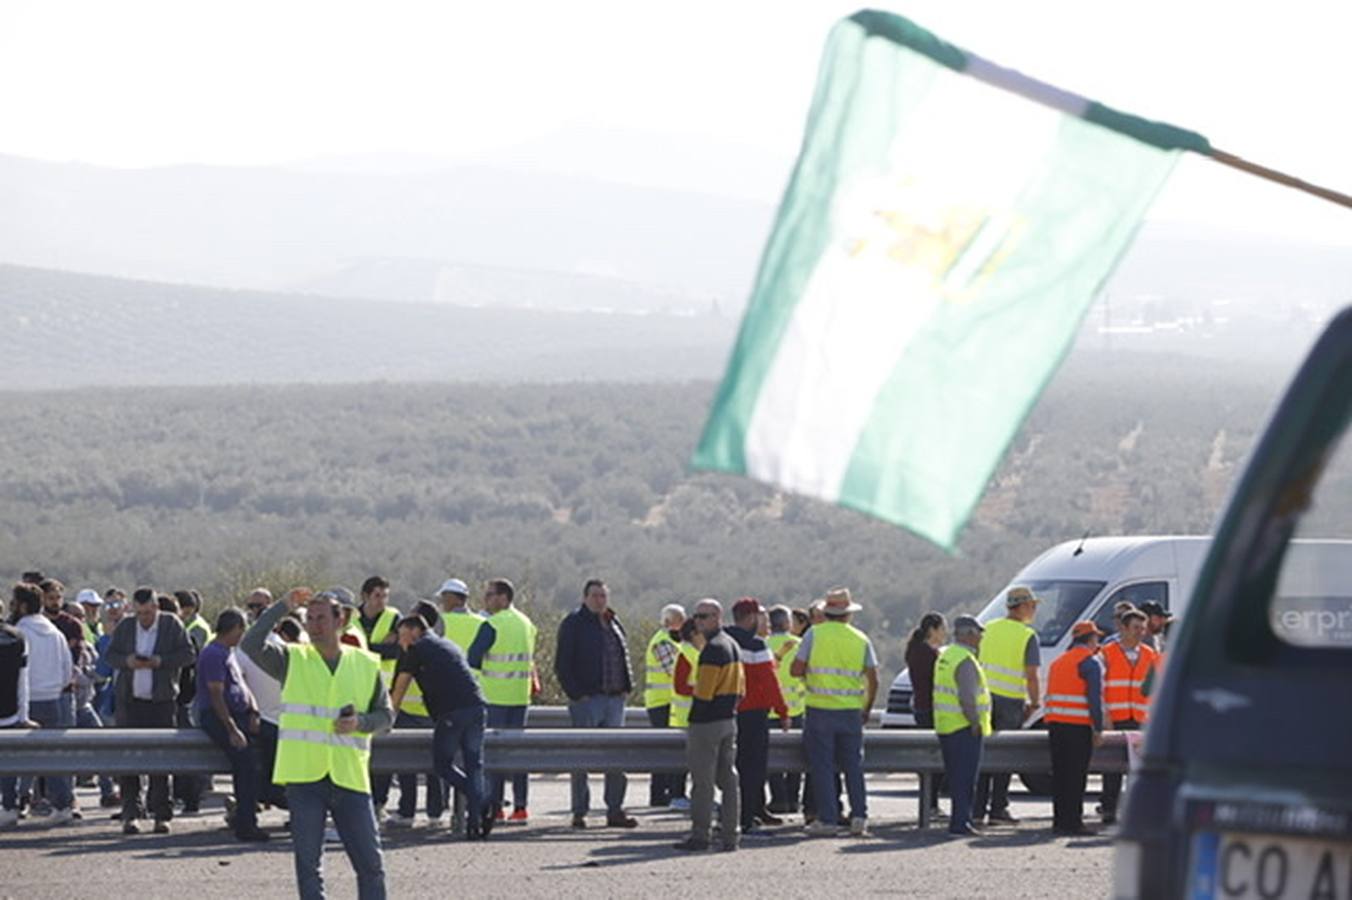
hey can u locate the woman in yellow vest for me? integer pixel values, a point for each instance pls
(664, 649)
(962, 718)
(333, 701)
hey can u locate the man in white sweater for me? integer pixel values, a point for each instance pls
(51, 682)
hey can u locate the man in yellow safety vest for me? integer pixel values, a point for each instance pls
(333, 701)
(840, 668)
(664, 649)
(504, 653)
(962, 718)
(1011, 659)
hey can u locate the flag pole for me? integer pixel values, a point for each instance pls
(1235, 162)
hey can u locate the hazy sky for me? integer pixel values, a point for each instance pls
(136, 83)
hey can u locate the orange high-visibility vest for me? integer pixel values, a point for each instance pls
(1067, 699)
(1123, 682)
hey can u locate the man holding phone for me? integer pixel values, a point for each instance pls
(333, 701)
(148, 651)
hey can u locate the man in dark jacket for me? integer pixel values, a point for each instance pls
(147, 652)
(592, 663)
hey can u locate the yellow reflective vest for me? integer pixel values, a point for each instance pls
(1002, 655)
(308, 748)
(948, 715)
(785, 647)
(657, 681)
(681, 704)
(835, 667)
(506, 665)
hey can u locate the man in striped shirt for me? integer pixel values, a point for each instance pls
(753, 713)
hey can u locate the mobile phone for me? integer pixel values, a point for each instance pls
(142, 657)
(346, 711)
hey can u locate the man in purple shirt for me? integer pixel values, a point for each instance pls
(229, 715)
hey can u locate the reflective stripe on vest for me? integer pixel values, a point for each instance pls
(1067, 699)
(506, 664)
(657, 681)
(681, 704)
(1123, 697)
(948, 715)
(835, 667)
(785, 647)
(308, 749)
(1003, 648)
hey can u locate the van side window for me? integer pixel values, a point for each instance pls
(1135, 594)
(1311, 606)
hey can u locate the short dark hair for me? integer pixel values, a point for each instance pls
(168, 603)
(413, 621)
(375, 581)
(143, 595)
(290, 628)
(27, 600)
(34, 577)
(503, 586)
(114, 591)
(185, 598)
(592, 583)
(51, 584)
(229, 619)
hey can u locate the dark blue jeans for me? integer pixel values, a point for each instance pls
(355, 819)
(834, 741)
(462, 731)
(508, 717)
(962, 761)
(243, 767)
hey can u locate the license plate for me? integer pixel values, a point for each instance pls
(1269, 866)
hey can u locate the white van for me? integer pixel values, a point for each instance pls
(1080, 580)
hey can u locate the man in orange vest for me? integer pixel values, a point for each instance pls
(1127, 661)
(1074, 717)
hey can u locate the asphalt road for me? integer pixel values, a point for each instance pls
(546, 857)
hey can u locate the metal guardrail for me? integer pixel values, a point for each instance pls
(634, 717)
(114, 751)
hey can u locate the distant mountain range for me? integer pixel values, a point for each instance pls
(65, 330)
(534, 228)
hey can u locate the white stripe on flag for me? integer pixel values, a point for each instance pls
(871, 291)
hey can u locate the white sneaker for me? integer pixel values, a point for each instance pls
(440, 821)
(818, 828)
(398, 821)
(9, 818)
(62, 816)
(858, 827)
(680, 804)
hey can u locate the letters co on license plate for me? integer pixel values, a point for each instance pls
(1269, 866)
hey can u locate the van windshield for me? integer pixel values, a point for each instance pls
(1063, 604)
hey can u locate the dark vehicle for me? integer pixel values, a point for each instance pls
(1245, 787)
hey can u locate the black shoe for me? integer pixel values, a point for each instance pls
(1004, 816)
(130, 827)
(766, 818)
(1075, 831)
(161, 826)
(486, 822)
(191, 808)
(112, 801)
(620, 820)
(254, 836)
(579, 822)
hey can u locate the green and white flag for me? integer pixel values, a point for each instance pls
(947, 224)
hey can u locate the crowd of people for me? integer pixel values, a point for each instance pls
(292, 690)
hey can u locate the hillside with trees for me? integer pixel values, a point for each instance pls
(552, 484)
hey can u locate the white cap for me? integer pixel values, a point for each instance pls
(453, 586)
(89, 597)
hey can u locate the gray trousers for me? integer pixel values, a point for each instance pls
(711, 757)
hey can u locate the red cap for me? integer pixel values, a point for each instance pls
(1080, 629)
(746, 606)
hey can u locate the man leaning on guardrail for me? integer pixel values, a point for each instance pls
(333, 701)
